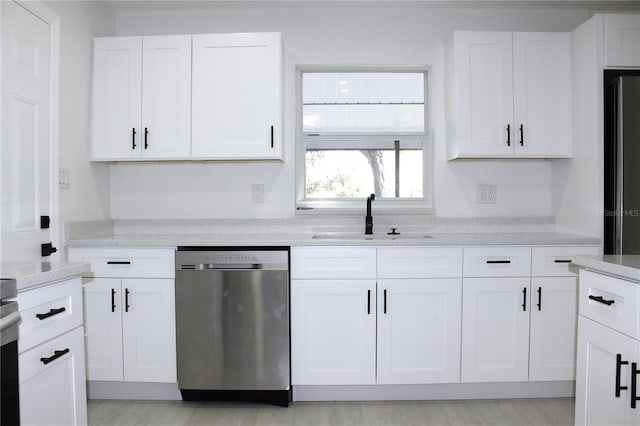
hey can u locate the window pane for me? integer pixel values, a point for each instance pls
(358, 173)
(363, 102)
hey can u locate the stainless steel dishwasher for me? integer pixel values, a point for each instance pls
(232, 324)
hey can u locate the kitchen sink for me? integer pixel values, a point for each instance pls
(362, 236)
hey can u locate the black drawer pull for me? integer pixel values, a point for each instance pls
(368, 302)
(385, 302)
(634, 382)
(56, 355)
(602, 300)
(133, 138)
(118, 262)
(619, 364)
(491, 262)
(508, 134)
(51, 313)
(126, 300)
(562, 261)
(113, 300)
(524, 299)
(271, 136)
(539, 298)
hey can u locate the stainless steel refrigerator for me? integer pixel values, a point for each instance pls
(622, 163)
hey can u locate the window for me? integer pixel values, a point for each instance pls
(363, 132)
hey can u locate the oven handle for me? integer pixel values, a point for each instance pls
(9, 320)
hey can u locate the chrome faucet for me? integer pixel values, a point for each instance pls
(368, 220)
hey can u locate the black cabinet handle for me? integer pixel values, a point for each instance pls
(51, 313)
(562, 261)
(118, 262)
(113, 300)
(619, 364)
(524, 299)
(271, 136)
(634, 382)
(508, 134)
(521, 135)
(46, 249)
(491, 262)
(602, 300)
(126, 300)
(133, 138)
(385, 302)
(146, 135)
(368, 302)
(539, 298)
(56, 355)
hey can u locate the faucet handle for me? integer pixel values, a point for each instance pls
(393, 232)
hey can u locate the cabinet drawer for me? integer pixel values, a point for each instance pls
(127, 263)
(556, 261)
(48, 312)
(497, 261)
(610, 301)
(419, 262)
(333, 262)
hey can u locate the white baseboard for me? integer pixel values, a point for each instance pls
(435, 392)
(133, 390)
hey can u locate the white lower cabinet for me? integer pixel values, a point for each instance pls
(52, 388)
(333, 332)
(554, 313)
(495, 329)
(130, 329)
(603, 389)
(419, 331)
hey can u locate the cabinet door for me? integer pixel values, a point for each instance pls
(596, 401)
(622, 40)
(333, 332)
(484, 84)
(117, 98)
(495, 329)
(148, 330)
(237, 96)
(554, 306)
(419, 324)
(166, 97)
(54, 393)
(542, 94)
(103, 328)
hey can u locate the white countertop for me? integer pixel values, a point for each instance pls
(625, 266)
(337, 239)
(34, 274)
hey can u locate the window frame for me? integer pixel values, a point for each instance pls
(329, 205)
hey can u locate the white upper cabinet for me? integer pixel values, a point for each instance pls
(509, 95)
(237, 104)
(141, 98)
(117, 98)
(622, 40)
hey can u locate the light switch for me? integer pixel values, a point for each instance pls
(64, 178)
(257, 193)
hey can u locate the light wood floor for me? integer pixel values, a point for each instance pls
(538, 412)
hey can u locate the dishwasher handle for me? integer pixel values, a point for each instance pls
(222, 266)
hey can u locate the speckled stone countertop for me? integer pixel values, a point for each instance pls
(625, 266)
(33, 274)
(324, 231)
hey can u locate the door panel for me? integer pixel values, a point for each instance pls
(26, 133)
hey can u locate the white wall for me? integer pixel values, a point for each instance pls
(406, 34)
(578, 183)
(88, 197)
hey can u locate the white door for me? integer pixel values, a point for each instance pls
(484, 80)
(542, 94)
(26, 133)
(166, 97)
(116, 132)
(419, 330)
(597, 367)
(554, 310)
(148, 330)
(495, 329)
(54, 393)
(236, 96)
(333, 332)
(103, 328)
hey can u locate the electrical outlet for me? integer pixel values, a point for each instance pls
(257, 193)
(486, 194)
(64, 178)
